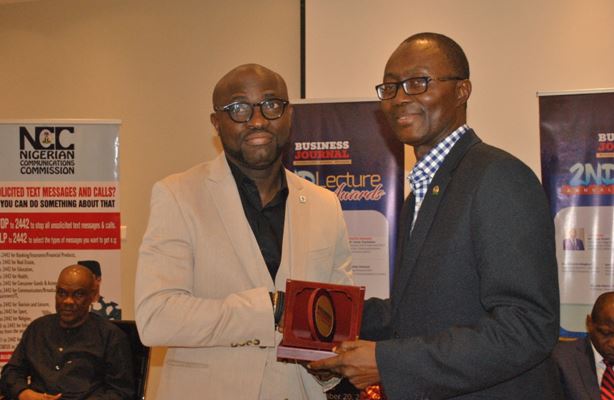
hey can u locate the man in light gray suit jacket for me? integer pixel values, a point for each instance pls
(474, 307)
(222, 239)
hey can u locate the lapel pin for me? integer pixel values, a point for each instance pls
(435, 190)
(302, 199)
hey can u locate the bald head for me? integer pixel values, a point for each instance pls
(603, 309)
(452, 50)
(600, 326)
(240, 77)
(77, 272)
(74, 294)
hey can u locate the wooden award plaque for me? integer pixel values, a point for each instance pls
(317, 317)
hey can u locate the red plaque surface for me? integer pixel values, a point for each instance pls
(317, 317)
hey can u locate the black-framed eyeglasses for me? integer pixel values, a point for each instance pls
(411, 86)
(242, 111)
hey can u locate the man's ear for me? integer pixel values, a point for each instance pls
(215, 122)
(463, 91)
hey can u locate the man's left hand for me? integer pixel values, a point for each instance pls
(356, 361)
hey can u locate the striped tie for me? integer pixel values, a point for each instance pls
(607, 383)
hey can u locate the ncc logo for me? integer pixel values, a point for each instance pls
(47, 138)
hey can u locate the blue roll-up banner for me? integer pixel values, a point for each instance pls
(349, 148)
(577, 149)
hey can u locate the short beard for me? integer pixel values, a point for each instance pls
(240, 158)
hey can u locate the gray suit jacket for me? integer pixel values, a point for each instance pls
(576, 364)
(202, 286)
(474, 307)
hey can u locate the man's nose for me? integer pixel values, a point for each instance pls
(257, 119)
(402, 97)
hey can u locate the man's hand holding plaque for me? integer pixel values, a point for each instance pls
(356, 361)
(317, 317)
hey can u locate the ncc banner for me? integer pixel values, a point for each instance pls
(577, 153)
(348, 148)
(59, 204)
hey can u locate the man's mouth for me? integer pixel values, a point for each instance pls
(258, 138)
(407, 114)
(406, 118)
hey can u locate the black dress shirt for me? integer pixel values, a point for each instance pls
(267, 222)
(91, 361)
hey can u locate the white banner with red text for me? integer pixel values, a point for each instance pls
(59, 204)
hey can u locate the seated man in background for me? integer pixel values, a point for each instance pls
(72, 354)
(585, 365)
(101, 306)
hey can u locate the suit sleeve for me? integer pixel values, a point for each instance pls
(576, 369)
(512, 239)
(376, 319)
(14, 379)
(118, 370)
(167, 312)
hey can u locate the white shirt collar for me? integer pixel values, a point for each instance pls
(599, 364)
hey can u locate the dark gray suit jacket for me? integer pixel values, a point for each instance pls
(576, 364)
(474, 306)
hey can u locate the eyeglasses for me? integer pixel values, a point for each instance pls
(242, 111)
(411, 86)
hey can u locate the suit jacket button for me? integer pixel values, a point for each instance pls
(396, 335)
(256, 342)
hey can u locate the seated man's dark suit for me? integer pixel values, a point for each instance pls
(576, 363)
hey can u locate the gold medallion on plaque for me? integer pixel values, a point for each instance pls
(321, 316)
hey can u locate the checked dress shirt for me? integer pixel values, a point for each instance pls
(423, 172)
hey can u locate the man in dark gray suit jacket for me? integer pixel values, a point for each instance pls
(581, 362)
(474, 306)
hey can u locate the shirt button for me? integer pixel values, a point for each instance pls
(61, 349)
(57, 367)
